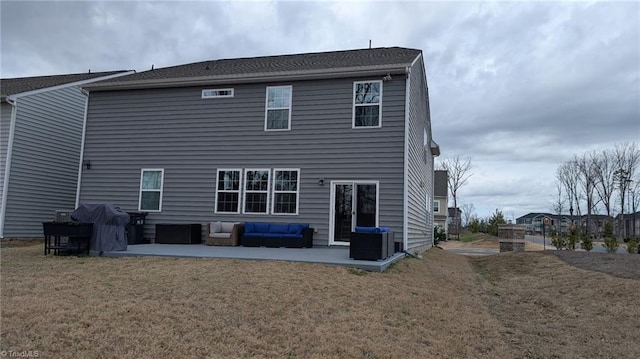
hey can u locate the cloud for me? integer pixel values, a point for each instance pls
(518, 87)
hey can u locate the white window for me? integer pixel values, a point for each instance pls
(256, 191)
(286, 190)
(436, 206)
(228, 191)
(217, 93)
(428, 206)
(151, 181)
(278, 108)
(367, 104)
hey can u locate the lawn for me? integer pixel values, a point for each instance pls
(441, 306)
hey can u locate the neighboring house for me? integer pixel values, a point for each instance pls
(631, 225)
(40, 140)
(335, 139)
(562, 223)
(440, 199)
(597, 224)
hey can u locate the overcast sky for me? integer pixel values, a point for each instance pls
(517, 87)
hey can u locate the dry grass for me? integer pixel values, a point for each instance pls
(552, 310)
(162, 308)
(437, 307)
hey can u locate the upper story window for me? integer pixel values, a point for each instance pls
(367, 104)
(436, 206)
(278, 108)
(256, 191)
(151, 181)
(217, 93)
(228, 191)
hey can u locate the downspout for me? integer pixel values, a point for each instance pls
(7, 169)
(405, 206)
(84, 130)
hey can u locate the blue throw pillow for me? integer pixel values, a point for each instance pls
(293, 228)
(279, 228)
(261, 227)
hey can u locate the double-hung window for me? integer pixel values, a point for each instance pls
(151, 181)
(367, 104)
(228, 191)
(278, 108)
(256, 191)
(436, 206)
(286, 190)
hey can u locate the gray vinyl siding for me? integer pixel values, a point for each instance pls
(45, 158)
(5, 126)
(190, 138)
(420, 165)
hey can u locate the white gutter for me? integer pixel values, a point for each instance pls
(405, 206)
(84, 131)
(11, 100)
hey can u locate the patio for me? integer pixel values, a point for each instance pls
(326, 255)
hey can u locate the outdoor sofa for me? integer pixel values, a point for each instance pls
(289, 235)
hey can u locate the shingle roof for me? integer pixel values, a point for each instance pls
(23, 84)
(230, 69)
(440, 184)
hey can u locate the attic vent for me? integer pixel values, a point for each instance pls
(217, 93)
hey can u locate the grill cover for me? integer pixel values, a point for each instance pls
(109, 223)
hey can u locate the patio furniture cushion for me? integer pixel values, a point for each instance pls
(254, 234)
(278, 228)
(215, 227)
(373, 229)
(227, 227)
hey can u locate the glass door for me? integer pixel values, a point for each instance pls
(354, 204)
(343, 214)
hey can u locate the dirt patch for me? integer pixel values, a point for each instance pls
(619, 265)
(549, 309)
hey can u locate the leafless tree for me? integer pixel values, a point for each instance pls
(568, 174)
(635, 202)
(627, 159)
(459, 171)
(587, 179)
(468, 211)
(557, 206)
(605, 178)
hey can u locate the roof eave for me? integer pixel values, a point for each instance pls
(251, 78)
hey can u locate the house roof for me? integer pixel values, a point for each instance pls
(440, 183)
(18, 85)
(535, 214)
(321, 64)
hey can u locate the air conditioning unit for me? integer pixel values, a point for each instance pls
(63, 216)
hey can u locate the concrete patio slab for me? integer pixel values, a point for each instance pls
(325, 255)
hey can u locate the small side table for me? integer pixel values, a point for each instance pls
(54, 232)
